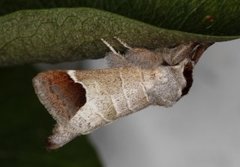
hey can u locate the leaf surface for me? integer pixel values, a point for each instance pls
(69, 34)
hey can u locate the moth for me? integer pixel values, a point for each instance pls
(82, 101)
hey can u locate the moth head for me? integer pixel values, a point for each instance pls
(171, 82)
(183, 72)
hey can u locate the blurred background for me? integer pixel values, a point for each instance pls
(201, 130)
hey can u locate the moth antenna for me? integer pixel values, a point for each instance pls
(110, 47)
(123, 43)
(184, 51)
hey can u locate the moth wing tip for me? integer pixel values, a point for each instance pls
(60, 136)
(50, 145)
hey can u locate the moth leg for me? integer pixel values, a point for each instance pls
(140, 57)
(123, 43)
(110, 47)
(114, 58)
(199, 51)
(191, 51)
(173, 56)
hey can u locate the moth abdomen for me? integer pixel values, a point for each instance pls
(164, 84)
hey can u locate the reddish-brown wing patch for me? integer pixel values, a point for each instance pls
(61, 96)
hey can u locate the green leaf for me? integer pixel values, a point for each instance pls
(24, 126)
(70, 34)
(216, 17)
